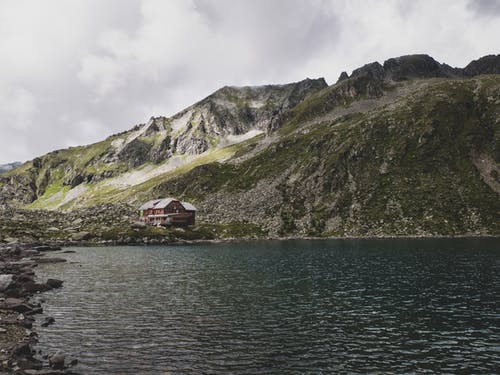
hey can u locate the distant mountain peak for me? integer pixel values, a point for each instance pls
(9, 166)
(423, 66)
(489, 64)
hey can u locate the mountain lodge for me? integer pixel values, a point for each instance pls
(167, 211)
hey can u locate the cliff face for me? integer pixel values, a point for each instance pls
(407, 147)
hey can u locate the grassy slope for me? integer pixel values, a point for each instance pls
(403, 170)
(106, 192)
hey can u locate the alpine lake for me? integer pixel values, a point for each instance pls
(377, 306)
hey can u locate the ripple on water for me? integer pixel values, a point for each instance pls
(290, 307)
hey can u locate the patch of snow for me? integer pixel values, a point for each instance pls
(233, 139)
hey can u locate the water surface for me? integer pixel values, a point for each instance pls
(279, 307)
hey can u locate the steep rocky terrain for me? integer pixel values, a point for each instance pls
(407, 147)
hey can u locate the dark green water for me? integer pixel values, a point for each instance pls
(290, 307)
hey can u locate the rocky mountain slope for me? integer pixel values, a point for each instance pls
(408, 147)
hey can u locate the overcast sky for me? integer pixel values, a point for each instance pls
(73, 72)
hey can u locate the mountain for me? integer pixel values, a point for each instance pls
(9, 166)
(407, 147)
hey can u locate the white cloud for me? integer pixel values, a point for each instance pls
(18, 109)
(76, 72)
(103, 75)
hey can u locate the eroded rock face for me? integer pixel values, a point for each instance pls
(19, 187)
(230, 111)
(135, 153)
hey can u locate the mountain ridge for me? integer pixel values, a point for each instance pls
(305, 158)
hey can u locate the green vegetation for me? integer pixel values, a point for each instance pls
(198, 232)
(54, 194)
(405, 167)
(431, 184)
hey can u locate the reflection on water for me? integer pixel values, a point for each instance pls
(287, 307)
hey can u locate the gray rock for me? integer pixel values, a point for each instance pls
(73, 362)
(29, 253)
(138, 225)
(57, 360)
(77, 221)
(54, 283)
(51, 260)
(13, 301)
(5, 282)
(43, 248)
(48, 321)
(22, 308)
(22, 349)
(80, 236)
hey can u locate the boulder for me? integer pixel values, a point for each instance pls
(14, 301)
(23, 349)
(21, 308)
(35, 310)
(29, 252)
(138, 225)
(57, 360)
(81, 236)
(33, 287)
(5, 282)
(77, 221)
(73, 362)
(54, 283)
(51, 260)
(46, 248)
(48, 321)
(25, 277)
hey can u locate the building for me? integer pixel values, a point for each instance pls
(167, 211)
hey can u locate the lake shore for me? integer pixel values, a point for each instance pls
(20, 302)
(141, 241)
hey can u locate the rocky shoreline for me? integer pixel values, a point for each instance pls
(19, 305)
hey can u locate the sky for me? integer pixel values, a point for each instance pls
(74, 72)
